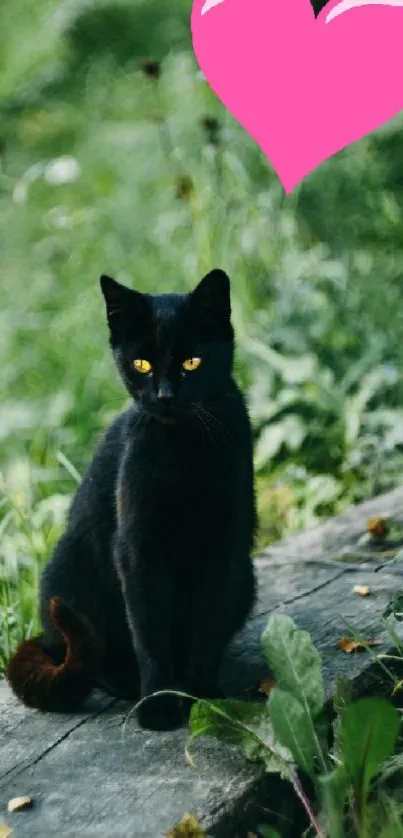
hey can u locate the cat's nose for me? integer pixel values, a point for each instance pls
(165, 394)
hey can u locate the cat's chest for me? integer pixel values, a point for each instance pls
(174, 477)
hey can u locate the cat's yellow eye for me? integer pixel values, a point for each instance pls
(191, 364)
(141, 365)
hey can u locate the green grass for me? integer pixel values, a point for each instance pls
(151, 201)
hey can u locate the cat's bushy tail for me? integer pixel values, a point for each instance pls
(57, 687)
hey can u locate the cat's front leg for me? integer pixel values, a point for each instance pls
(225, 598)
(212, 628)
(147, 592)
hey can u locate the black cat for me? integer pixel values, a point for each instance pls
(153, 575)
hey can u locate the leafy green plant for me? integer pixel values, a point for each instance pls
(367, 736)
(289, 733)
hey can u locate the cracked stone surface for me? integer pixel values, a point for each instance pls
(97, 774)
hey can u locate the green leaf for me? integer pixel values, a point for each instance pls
(334, 788)
(367, 736)
(293, 728)
(242, 723)
(289, 431)
(335, 783)
(395, 605)
(294, 661)
(268, 832)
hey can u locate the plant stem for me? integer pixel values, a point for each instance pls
(306, 804)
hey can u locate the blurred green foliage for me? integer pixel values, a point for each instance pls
(116, 157)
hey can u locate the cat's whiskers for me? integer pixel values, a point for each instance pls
(211, 417)
(216, 429)
(203, 423)
(197, 424)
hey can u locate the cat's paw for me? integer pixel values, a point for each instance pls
(164, 712)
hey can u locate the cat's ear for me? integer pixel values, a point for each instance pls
(123, 305)
(117, 296)
(211, 297)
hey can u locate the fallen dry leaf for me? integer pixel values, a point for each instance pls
(266, 686)
(251, 835)
(362, 590)
(377, 527)
(5, 830)
(188, 827)
(348, 644)
(17, 804)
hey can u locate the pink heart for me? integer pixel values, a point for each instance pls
(303, 88)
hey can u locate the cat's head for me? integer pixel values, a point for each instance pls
(172, 350)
